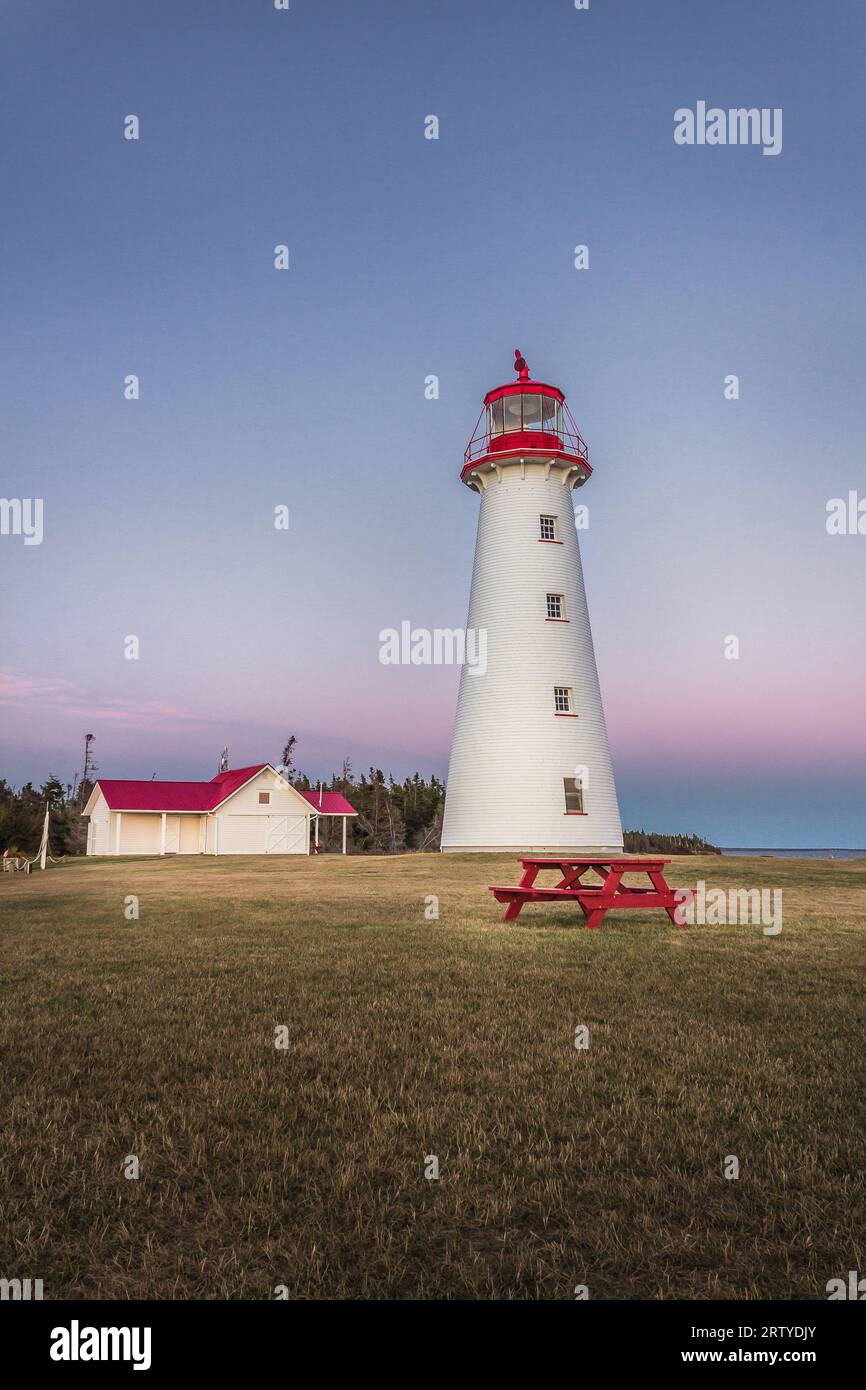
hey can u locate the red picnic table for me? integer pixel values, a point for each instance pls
(595, 899)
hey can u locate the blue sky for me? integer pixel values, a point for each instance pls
(410, 257)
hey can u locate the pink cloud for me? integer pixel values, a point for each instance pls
(67, 698)
(127, 710)
(16, 688)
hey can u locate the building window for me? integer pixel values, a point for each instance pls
(573, 796)
(562, 699)
(264, 798)
(555, 606)
(548, 528)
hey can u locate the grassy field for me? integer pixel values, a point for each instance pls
(410, 1037)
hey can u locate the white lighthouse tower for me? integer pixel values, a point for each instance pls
(530, 766)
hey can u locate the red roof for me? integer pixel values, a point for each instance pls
(228, 782)
(332, 803)
(175, 796)
(202, 796)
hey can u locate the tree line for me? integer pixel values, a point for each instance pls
(644, 841)
(392, 816)
(22, 814)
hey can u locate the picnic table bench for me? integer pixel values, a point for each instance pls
(595, 899)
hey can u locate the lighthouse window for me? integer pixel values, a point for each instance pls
(496, 425)
(562, 699)
(548, 528)
(550, 415)
(512, 413)
(555, 606)
(573, 796)
(532, 412)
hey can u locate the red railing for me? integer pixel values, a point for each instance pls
(568, 441)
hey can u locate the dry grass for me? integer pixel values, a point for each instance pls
(409, 1037)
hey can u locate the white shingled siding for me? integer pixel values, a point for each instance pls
(242, 834)
(139, 832)
(246, 826)
(191, 834)
(97, 831)
(510, 751)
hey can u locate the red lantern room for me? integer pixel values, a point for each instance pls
(528, 418)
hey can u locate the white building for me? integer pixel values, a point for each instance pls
(250, 810)
(530, 766)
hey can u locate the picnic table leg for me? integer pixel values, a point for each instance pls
(610, 884)
(530, 873)
(657, 879)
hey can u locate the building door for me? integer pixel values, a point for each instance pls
(172, 834)
(287, 835)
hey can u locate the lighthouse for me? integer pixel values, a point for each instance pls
(530, 765)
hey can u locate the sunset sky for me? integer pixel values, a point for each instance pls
(411, 257)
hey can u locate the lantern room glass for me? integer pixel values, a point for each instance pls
(531, 412)
(512, 406)
(524, 412)
(550, 415)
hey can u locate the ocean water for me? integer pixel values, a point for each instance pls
(799, 853)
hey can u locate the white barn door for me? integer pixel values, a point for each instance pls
(287, 835)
